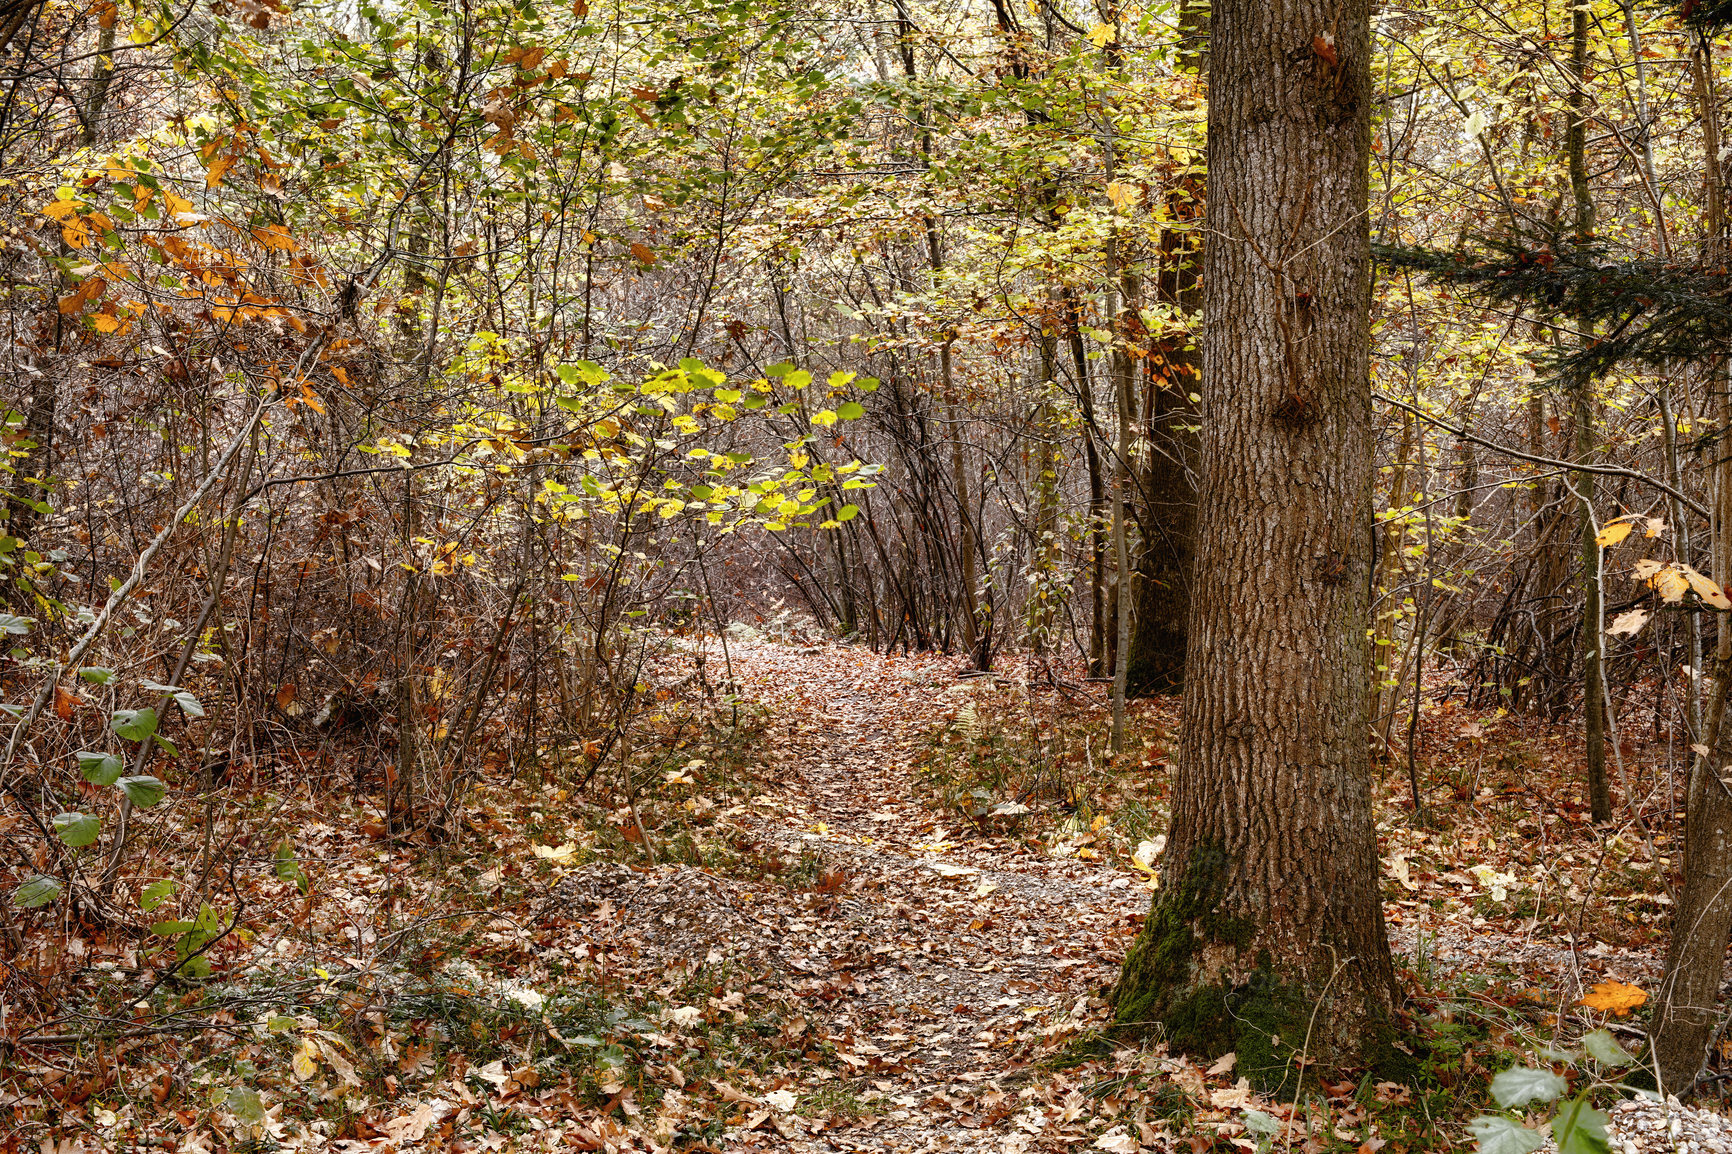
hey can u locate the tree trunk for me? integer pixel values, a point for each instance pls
(1687, 1008)
(1583, 413)
(1157, 657)
(1268, 938)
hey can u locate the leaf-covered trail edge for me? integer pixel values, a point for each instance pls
(962, 965)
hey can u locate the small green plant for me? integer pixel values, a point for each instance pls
(1576, 1126)
(79, 830)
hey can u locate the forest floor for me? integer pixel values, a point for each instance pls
(877, 911)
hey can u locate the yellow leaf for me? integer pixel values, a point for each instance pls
(1670, 584)
(1123, 196)
(555, 853)
(61, 210)
(105, 323)
(1103, 34)
(1613, 533)
(76, 232)
(306, 1060)
(1706, 589)
(1615, 997)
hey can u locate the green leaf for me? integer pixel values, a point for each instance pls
(289, 869)
(77, 829)
(847, 512)
(1520, 1085)
(11, 624)
(171, 928)
(100, 768)
(188, 703)
(144, 791)
(96, 674)
(245, 1105)
(1260, 1123)
(38, 891)
(851, 410)
(1605, 1049)
(1580, 1129)
(280, 1024)
(155, 894)
(134, 724)
(1496, 1134)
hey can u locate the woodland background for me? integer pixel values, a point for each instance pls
(410, 404)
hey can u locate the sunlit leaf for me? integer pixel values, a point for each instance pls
(1580, 1129)
(1613, 533)
(1613, 997)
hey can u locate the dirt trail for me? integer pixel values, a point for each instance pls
(925, 961)
(931, 962)
(968, 941)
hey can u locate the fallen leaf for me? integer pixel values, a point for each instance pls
(1615, 997)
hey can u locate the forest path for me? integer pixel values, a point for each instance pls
(930, 978)
(971, 944)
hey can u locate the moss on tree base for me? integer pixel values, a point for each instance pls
(1169, 989)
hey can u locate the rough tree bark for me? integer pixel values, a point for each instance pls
(1267, 937)
(1687, 1009)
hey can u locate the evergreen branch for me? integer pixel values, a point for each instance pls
(1646, 312)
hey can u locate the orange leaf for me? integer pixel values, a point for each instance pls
(219, 168)
(286, 696)
(643, 253)
(276, 237)
(1615, 997)
(64, 702)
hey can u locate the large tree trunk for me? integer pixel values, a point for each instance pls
(1267, 937)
